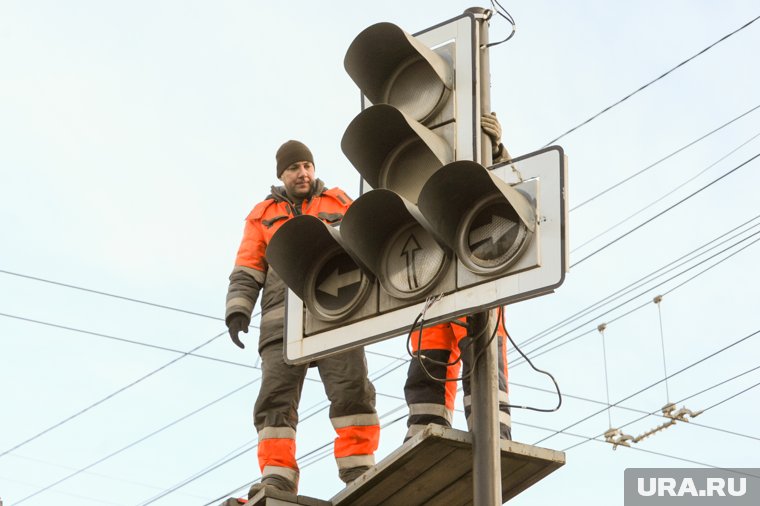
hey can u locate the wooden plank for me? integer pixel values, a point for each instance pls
(434, 468)
(271, 497)
(389, 484)
(455, 467)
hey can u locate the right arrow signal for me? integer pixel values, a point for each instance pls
(497, 228)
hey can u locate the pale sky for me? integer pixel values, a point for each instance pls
(136, 136)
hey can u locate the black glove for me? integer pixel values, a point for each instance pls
(235, 323)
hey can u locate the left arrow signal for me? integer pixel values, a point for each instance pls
(335, 281)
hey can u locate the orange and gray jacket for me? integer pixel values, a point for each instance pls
(252, 273)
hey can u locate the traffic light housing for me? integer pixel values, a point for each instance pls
(436, 223)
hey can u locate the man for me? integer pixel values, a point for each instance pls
(431, 386)
(351, 394)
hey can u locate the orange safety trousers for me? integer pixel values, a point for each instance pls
(352, 411)
(433, 401)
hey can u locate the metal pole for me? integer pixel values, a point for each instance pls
(486, 454)
(486, 447)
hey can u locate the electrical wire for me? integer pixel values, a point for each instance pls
(107, 294)
(138, 441)
(659, 413)
(693, 364)
(531, 352)
(107, 397)
(669, 267)
(667, 157)
(422, 358)
(556, 386)
(207, 470)
(682, 400)
(643, 87)
(665, 211)
(587, 439)
(501, 11)
(661, 198)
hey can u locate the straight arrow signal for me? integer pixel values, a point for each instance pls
(335, 281)
(408, 250)
(495, 230)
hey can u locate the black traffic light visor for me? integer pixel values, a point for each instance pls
(391, 66)
(459, 186)
(391, 150)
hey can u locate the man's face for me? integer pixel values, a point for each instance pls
(298, 178)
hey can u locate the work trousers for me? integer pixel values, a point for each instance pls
(432, 401)
(352, 411)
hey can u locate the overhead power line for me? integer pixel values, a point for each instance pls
(667, 194)
(678, 402)
(665, 211)
(113, 295)
(667, 157)
(733, 253)
(643, 87)
(222, 462)
(138, 441)
(659, 413)
(669, 267)
(693, 364)
(107, 397)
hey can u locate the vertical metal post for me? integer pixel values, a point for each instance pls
(484, 385)
(486, 448)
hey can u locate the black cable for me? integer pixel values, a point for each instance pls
(665, 211)
(708, 134)
(423, 358)
(501, 11)
(651, 82)
(556, 386)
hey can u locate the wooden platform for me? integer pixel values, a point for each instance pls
(270, 497)
(434, 468)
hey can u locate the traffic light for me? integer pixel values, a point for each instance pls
(436, 224)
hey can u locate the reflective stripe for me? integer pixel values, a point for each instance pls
(467, 400)
(246, 304)
(285, 472)
(431, 409)
(256, 274)
(277, 433)
(355, 461)
(359, 420)
(357, 440)
(273, 314)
